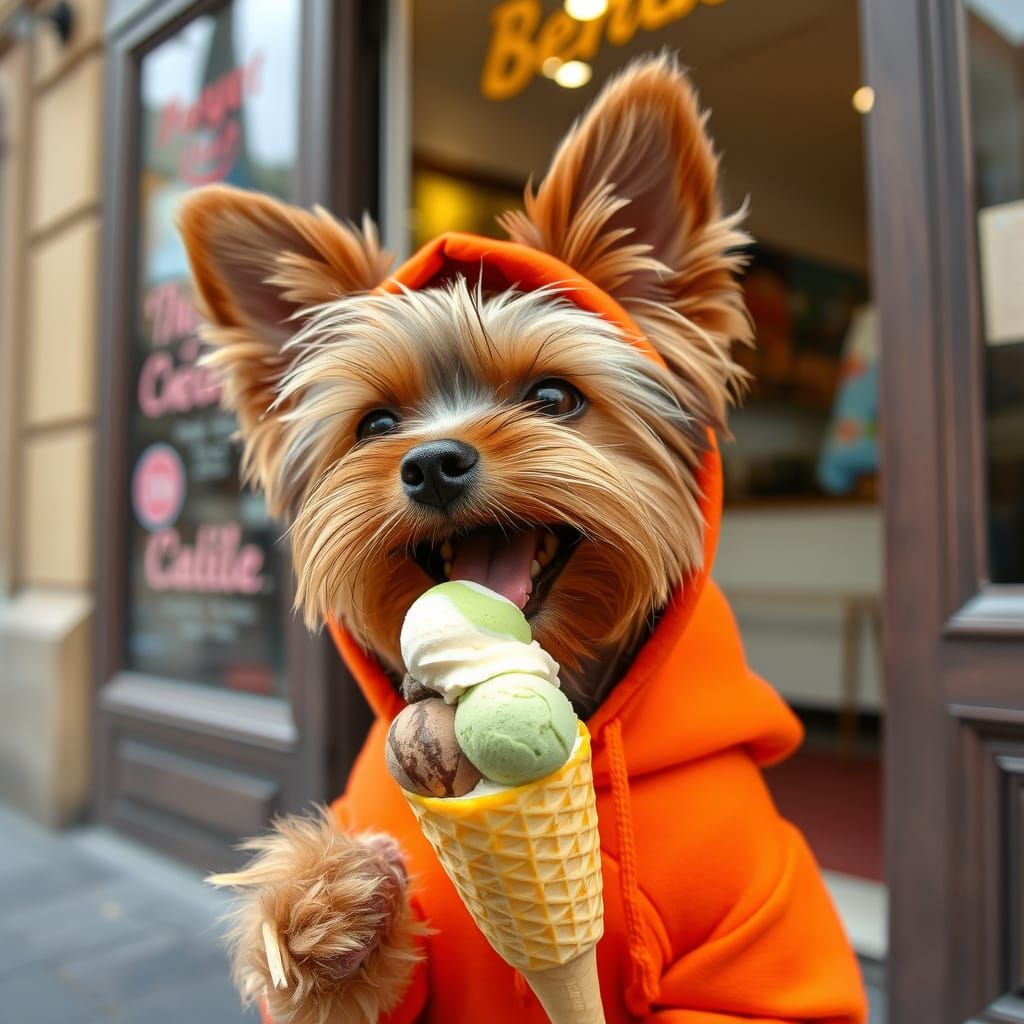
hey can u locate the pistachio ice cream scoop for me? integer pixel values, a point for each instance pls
(515, 728)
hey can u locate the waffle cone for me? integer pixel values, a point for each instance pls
(527, 863)
(570, 994)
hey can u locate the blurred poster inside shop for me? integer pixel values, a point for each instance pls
(206, 589)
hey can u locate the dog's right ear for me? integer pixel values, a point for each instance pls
(257, 264)
(631, 202)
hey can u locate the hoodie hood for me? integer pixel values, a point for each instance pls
(688, 692)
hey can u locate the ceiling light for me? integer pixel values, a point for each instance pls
(586, 10)
(550, 66)
(864, 99)
(573, 73)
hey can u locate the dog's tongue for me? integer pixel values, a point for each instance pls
(499, 561)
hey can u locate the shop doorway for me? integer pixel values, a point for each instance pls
(918, 288)
(800, 555)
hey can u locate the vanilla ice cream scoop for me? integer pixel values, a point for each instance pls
(459, 634)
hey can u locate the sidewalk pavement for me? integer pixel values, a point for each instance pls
(97, 930)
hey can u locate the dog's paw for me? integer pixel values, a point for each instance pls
(323, 931)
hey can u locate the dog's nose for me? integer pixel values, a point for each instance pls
(438, 472)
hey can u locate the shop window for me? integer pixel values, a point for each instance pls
(995, 35)
(493, 91)
(206, 601)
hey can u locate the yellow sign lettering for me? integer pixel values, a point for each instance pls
(623, 19)
(512, 57)
(556, 37)
(659, 13)
(521, 42)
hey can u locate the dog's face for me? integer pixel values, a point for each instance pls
(514, 440)
(505, 437)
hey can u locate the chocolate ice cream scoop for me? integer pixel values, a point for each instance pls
(413, 690)
(423, 754)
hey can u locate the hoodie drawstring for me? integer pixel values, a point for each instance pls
(642, 989)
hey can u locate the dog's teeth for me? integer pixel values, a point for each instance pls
(447, 551)
(543, 557)
(550, 545)
(448, 570)
(534, 569)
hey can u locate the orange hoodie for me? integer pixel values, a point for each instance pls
(714, 908)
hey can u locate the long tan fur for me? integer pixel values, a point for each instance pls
(323, 931)
(623, 476)
(257, 264)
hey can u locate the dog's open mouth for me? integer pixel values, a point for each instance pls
(518, 564)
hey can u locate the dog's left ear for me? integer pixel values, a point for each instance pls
(631, 203)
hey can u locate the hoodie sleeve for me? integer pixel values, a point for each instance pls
(788, 962)
(749, 930)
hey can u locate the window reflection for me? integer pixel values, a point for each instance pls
(996, 61)
(219, 103)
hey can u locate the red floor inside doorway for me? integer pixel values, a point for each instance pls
(837, 802)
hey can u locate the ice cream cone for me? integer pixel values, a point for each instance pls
(526, 861)
(570, 994)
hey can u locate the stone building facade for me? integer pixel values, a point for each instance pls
(51, 131)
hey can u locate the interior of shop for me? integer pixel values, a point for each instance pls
(800, 556)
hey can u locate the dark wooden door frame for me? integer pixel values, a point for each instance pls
(954, 643)
(210, 758)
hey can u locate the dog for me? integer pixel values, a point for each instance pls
(540, 415)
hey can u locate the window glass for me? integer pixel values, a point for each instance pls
(206, 602)
(996, 62)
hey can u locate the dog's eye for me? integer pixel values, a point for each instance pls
(554, 397)
(373, 424)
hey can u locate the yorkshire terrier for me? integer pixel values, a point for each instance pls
(473, 431)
